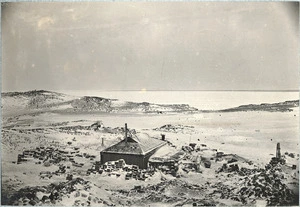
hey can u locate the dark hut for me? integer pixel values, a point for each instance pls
(134, 149)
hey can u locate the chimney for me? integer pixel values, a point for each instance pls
(163, 137)
(126, 132)
(278, 155)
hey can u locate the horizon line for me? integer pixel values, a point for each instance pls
(240, 90)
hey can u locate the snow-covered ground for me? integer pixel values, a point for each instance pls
(251, 135)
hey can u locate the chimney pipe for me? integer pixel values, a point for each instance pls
(126, 132)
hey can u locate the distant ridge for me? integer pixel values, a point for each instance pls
(208, 90)
(28, 93)
(271, 107)
(42, 100)
(227, 90)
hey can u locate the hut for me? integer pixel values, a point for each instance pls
(135, 149)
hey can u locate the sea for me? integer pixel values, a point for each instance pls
(202, 100)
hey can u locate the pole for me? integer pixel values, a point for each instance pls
(125, 132)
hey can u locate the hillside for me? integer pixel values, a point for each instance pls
(271, 107)
(41, 100)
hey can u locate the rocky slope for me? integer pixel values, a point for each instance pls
(271, 107)
(58, 102)
(52, 101)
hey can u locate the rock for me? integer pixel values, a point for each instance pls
(32, 202)
(83, 195)
(45, 198)
(232, 160)
(77, 194)
(40, 195)
(47, 164)
(292, 155)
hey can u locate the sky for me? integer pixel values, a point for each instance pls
(150, 46)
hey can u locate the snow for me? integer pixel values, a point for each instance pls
(251, 135)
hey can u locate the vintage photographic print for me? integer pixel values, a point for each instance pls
(150, 104)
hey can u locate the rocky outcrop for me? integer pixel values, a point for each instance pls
(273, 107)
(88, 103)
(58, 102)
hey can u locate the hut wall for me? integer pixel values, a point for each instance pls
(130, 159)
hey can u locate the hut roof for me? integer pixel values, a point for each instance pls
(139, 144)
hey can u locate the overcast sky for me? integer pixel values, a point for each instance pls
(150, 46)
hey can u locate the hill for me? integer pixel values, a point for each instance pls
(271, 107)
(41, 100)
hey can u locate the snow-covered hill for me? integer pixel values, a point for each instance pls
(37, 100)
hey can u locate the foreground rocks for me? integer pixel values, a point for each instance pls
(266, 184)
(54, 194)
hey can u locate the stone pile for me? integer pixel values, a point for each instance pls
(174, 128)
(161, 193)
(167, 166)
(268, 185)
(111, 168)
(54, 193)
(44, 195)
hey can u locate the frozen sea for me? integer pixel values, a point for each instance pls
(203, 100)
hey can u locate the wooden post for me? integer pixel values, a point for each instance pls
(125, 132)
(278, 154)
